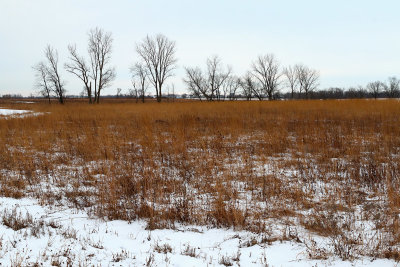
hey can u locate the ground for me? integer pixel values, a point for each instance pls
(273, 183)
(61, 236)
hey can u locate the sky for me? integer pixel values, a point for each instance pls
(350, 42)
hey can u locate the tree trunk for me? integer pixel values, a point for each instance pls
(159, 95)
(90, 93)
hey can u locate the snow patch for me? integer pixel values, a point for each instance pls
(32, 233)
(6, 112)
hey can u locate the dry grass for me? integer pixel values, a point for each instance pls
(326, 166)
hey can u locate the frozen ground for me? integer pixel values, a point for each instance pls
(12, 113)
(57, 235)
(25, 102)
(6, 112)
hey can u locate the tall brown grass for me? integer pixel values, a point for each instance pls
(321, 165)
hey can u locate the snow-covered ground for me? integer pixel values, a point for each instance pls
(6, 112)
(12, 113)
(61, 236)
(25, 102)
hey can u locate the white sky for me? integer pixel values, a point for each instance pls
(350, 42)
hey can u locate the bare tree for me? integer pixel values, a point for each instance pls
(158, 55)
(230, 87)
(210, 84)
(307, 79)
(79, 67)
(217, 76)
(98, 72)
(119, 90)
(266, 71)
(248, 86)
(393, 87)
(196, 83)
(140, 75)
(361, 92)
(133, 93)
(53, 74)
(42, 80)
(291, 79)
(375, 88)
(100, 49)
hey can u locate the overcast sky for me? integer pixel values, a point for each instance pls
(351, 42)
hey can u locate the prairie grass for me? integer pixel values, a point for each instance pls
(329, 167)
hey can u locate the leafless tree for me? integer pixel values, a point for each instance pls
(248, 86)
(291, 79)
(53, 74)
(79, 67)
(361, 91)
(158, 55)
(375, 88)
(217, 76)
(133, 93)
(100, 49)
(196, 82)
(119, 90)
(210, 84)
(393, 87)
(42, 80)
(266, 71)
(307, 78)
(98, 72)
(230, 87)
(140, 75)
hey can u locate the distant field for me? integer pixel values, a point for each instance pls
(322, 173)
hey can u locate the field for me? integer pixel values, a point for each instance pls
(323, 176)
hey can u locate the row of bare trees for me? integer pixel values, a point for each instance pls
(264, 80)
(156, 65)
(212, 83)
(377, 89)
(95, 73)
(157, 61)
(390, 89)
(301, 79)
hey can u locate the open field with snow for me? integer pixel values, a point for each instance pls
(274, 183)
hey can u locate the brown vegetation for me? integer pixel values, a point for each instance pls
(330, 167)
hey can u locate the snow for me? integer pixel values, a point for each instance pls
(12, 113)
(6, 112)
(66, 236)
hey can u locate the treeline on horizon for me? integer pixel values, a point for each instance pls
(388, 91)
(156, 62)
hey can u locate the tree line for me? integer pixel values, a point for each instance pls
(263, 81)
(377, 89)
(156, 64)
(216, 82)
(244, 87)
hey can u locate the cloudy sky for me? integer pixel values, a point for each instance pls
(351, 42)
